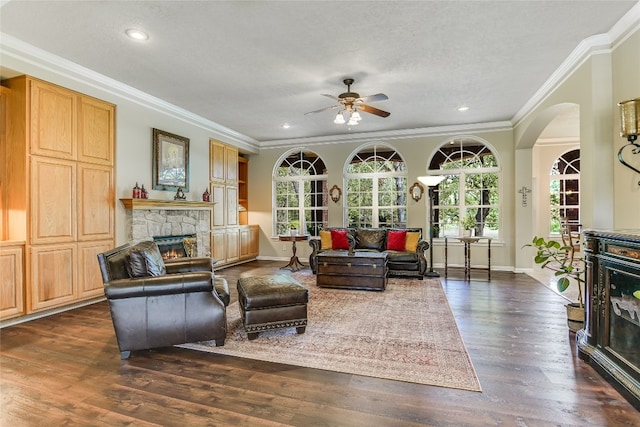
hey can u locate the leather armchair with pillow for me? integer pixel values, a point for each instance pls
(156, 303)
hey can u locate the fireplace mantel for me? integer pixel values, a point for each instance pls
(149, 204)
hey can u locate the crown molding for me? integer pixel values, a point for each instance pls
(472, 128)
(11, 47)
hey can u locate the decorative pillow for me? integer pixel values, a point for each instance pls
(325, 240)
(144, 260)
(370, 239)
(339, 239)
(396, 240)
(411, 244)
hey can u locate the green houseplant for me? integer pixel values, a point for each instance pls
(568, 268)
(294, 226)
(468, 223)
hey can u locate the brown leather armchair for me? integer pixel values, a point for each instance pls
(185, 304)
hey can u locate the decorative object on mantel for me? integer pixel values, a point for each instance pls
(170, 161)
(180, 195)
(629, 122)
(335, 192)
(206, 196)
(143, 193)
(136, 192)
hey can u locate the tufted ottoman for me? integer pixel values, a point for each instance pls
(272, 302)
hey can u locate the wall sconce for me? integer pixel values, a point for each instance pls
(335, 193)
(629, 120)
(416, 191)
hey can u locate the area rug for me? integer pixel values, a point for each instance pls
(406, 333)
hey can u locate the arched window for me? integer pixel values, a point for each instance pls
(300, 193)
(376, 188)
(470, 190)
(564, 191)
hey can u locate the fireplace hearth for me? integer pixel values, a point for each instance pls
(179, 246)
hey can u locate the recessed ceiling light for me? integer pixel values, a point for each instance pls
(136, 34)
(286, 126)
(463, 108)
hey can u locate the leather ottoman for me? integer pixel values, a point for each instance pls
(272, 302)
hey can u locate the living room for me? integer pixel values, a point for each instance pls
(598, 74)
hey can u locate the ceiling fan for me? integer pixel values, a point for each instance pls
(351, 103)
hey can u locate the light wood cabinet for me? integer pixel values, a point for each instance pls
(11, 279)
(231, 238)
(60, 169)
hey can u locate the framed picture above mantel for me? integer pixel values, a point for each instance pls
(170, 161)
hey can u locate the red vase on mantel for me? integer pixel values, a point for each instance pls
(206, 196)
(137, 192)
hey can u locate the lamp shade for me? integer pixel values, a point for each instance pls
(629, 117)
(431, 180)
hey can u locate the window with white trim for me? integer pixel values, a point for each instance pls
(376, 188)
(564, 191)
(300, 193)
(470, 189)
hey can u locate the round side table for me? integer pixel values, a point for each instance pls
(294, 262)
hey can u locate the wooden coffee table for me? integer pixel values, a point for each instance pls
(360, 270)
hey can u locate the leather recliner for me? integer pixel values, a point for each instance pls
(185, 304)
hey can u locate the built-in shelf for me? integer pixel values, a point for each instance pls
(164, 204)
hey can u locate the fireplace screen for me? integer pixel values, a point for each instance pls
(624, 315)
(176, 246)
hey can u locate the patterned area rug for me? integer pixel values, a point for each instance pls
(406, 333)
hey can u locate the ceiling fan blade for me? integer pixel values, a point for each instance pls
(372, 110)
(373, 98)
(323, 109)
(335, 98)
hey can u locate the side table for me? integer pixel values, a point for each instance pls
(467, 241)
(294, 262)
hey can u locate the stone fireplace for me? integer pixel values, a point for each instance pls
(147, 219)
(184, 245)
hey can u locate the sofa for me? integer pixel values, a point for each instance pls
(159, 303)
(405, 247)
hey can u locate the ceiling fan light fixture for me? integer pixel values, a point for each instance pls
(339, 120)
(356, 116)
(352, 122)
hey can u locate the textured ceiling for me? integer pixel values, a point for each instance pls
(252, 66)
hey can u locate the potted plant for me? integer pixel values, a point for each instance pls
(294, 225)
(468, 223)
(568, 268)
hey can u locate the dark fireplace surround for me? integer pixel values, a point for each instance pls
(179, 246)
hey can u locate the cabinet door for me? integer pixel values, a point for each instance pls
(217, 194)
(218, 245)
(95, 131)
(11, 281)
(233, 244)
(53, 200)
(231, 161)
(245, 239)
(95, 202)
(217, 166)
(53, 120)
(89, 276)
(53, 275)
(231, 202)
(254, 241)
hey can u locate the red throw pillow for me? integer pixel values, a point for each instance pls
(339, 239)
(396, 240)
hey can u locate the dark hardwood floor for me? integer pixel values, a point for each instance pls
(65, 369)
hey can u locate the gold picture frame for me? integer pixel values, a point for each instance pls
(416, 191)
(170, 161)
